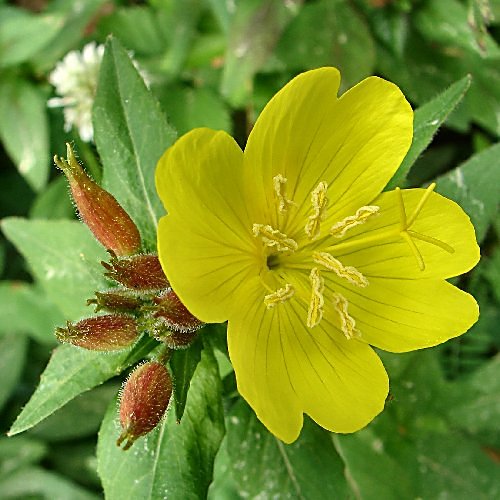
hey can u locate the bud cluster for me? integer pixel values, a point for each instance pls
(141, 302)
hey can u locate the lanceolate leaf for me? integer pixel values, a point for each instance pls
(428, 119)
(174, 461)
(131, 134)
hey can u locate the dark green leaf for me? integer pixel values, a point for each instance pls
(54, 202)
(428, 119)
(64, 258)
(263, 467)
(25, 137)
(174, 461)
(16, 452)
(474, 186)
(131, 134)
(12, 357)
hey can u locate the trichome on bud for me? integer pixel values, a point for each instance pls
(144, 400)
(116, 300)
(104, 216)
(110, 332)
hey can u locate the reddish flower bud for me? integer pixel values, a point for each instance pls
(116, 300)
(143, 402)
(174, 340)
(110, 332)
(139, 272)
(173, 315)
(104, 216)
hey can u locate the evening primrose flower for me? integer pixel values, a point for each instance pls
(294, 244)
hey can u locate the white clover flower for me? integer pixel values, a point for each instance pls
(75, 80)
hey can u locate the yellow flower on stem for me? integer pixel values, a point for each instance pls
(293, 243)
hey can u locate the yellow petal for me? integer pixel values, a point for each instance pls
(205, 244)
(403, 315)
(284, 368)
(307, 135)
(391, 257)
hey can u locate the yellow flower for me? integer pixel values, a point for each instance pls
(293, 243)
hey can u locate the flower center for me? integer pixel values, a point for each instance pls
(284, 252)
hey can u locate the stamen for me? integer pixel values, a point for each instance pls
(347, 322)
(315, 312)
(274, 238)
(360, 217)
(319, 203)
(279, 190)
(350, 273)
(279, 296)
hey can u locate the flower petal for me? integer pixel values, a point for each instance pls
(354, 143)
(391, 257)
(284, 368)
(403, 315)
(205, 245)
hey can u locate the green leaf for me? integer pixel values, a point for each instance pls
(53, 202)
(24, 309)
(131, 134)
(183, 364)
(70, 372)
(174, 461)
(328, 33)
(474, 186)
(64, 258)
(35, 481)
(13, 349)
(22, 34)
(25, 138)
(263, 467)
(428, 118)
(16, 452)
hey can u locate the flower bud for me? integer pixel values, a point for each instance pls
(109, 332)
(174, 340)
(139, 272)
(104, 216)
(172, 314)
(116, 300)
(143, 402)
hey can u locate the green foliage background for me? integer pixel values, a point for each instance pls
(216, 63)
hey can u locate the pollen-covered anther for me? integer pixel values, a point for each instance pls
(274, 238)
(279, 296)
(279, 190)
(319, 203)
(315, 312)
(349, 273)
(347, 322)
(362, 214)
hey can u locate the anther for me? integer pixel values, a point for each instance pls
(319, 203)
(349, 273)
(279, 296)
(315, 312)
(347, 322)
(279, 190)
(360, 217)
(274, 238)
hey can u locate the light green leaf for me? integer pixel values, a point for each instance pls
(131, 134)
(174, 461)
(428, 118)
(13, 350)
(25, 137)
(38, 482)
(474, 186)
(64, 258)
(264, 467)
(25, 309)
(54, 202)
(16, 452)
(70, 372)
(22, 34)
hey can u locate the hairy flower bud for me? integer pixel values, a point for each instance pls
(138, 272)
(144, 400)
(109, 332)
(116, 300)
(172, 314)
(104, 216)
